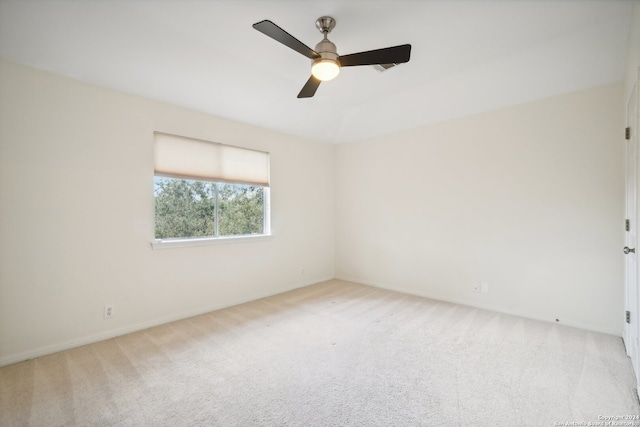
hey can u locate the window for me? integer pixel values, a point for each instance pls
(205, 191)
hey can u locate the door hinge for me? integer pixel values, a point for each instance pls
(627, 133)
(628, 316)
(627, 225)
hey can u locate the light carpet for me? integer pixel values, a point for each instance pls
(331, 354)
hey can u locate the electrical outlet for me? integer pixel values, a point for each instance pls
(108, 311)
(481, 287)
(302, 271)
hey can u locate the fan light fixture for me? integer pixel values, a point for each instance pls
(325, 69)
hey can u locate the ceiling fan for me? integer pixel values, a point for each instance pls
(325, 60)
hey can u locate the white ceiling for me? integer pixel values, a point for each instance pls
(467, 56)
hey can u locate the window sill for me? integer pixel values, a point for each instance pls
(207, 241)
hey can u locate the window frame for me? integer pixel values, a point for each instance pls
(178, 242)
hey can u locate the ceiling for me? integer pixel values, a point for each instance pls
(467, 56)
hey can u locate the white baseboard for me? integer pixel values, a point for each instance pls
(43, 351)
(90, 339)
(491, 307)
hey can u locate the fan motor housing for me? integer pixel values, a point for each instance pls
(327, 50)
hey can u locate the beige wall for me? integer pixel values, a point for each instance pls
(633, 58)
(527, 199)
(76, 203)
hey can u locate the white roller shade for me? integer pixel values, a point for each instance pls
(181, 157)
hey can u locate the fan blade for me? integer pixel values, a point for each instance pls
(272, 30)
(389, 55)
(309, 88)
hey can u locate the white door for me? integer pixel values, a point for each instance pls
(632, 294)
